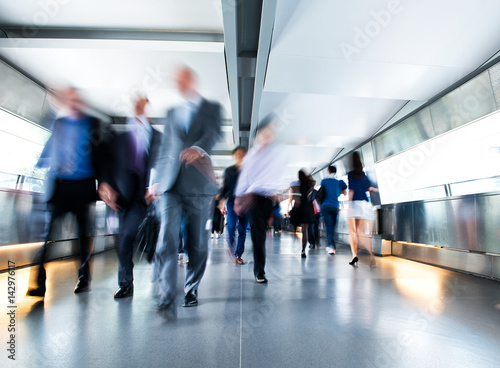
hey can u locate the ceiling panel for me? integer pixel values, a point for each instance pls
(109, 72)
(422, 32)
(305, 115)
(341, 71)
(357, 78)
(146, 14)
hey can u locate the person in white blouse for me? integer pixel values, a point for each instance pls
(259, 186)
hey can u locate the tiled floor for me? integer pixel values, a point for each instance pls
(315, 312)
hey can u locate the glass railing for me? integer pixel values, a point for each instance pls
(21, 182)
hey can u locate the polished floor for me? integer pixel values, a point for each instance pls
(315, 312)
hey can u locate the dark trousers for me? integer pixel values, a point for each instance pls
(73, 197)
(259, 216)
(330, 215)
(277, 223)
(313, 231)
(130, 217)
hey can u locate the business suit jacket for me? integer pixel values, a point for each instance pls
(204, 131)
(119, 171)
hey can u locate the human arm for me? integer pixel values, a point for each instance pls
(45, 156)
(343, 187)
(211, 132)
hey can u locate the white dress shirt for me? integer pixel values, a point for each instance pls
(262, 171)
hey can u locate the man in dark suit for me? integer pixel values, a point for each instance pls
(74, 153)
(124, 186)
(185, 180)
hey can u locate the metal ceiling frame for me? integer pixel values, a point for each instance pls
(248, 29)
(110, 34)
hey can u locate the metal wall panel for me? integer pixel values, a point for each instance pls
(495, 267)
(475, 263)
(488, 223)
(22, 217)
(387, 221)
(403, 222)
(463, 233)
(447, 223)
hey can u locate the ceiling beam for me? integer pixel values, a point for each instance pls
(264, 48)
(109, 34)
(230, 44)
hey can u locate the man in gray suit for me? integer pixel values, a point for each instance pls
(184, 180)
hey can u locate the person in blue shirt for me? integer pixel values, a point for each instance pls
(234, 221)
(360, 210)
(74, 153)
(332, 188)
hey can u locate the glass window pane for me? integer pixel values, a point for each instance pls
(20, 95)
(495, 82)
(476, 186)
(464, 104)
(410, 132)
(21, 143)
(468, 153)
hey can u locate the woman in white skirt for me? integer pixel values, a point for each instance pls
(359, 213)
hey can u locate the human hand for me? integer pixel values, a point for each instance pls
(109, 196)
(190, 155)
(151, 194)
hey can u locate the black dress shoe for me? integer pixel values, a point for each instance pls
(261, 279)
(36, 292)
(191, 299)
(124, 292)
(82, 286)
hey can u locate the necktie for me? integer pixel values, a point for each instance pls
(139, 150)
(190, 109)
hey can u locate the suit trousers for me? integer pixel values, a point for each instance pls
(130, 217)
(196, 210)
(259, 217)
(73, 197)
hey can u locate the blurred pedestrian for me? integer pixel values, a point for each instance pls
(313, 231)
(277, 217)
(185, 180)
(124, 186)
(75, 154)
(258, 187)
(332, 189)
(360, 214)
(234, 221)
(218, 218)
(301, 213)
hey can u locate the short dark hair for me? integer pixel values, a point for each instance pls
(332, 169)
(239, 148)
(268, 119)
